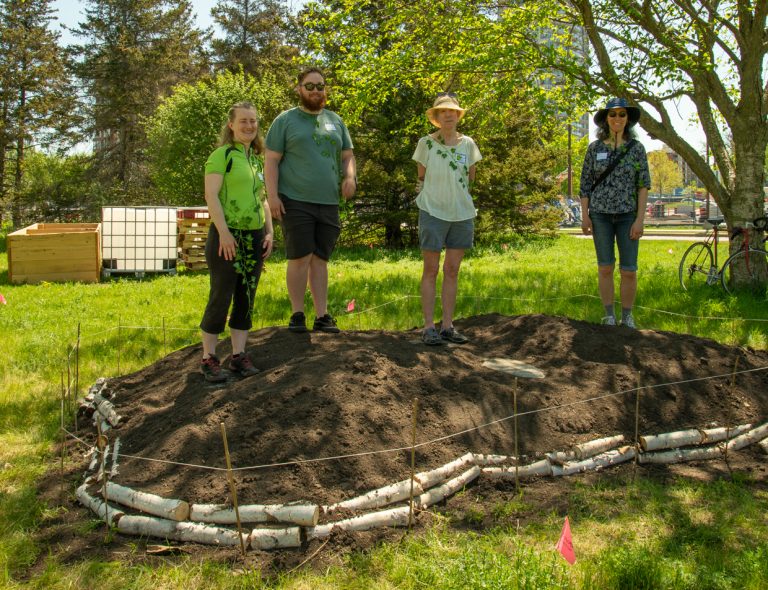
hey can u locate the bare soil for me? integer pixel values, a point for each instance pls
(330, 416)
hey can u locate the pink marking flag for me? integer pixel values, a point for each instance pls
(351, 306)
(565, 544)
(2, 300)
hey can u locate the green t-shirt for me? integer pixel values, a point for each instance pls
(311, 146)
(243, 186)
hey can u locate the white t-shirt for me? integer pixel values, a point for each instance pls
(445, 193)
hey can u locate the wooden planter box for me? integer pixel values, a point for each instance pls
(55, 252)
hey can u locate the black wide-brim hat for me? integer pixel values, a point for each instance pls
(617, 103)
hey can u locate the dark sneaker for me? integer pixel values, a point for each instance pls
(298, 322)
(241, 364)
(211, 369)
(326, 324)
(453, 335)
(430, 337)
(629, 322)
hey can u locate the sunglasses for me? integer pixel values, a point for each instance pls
(312, 86)
(622, 114)
(448, 94)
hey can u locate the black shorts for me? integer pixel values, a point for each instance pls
(309, 228)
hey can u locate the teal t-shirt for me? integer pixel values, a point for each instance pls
(311, 145)
(243, 187)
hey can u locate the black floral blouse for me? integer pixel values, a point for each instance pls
(618, 192)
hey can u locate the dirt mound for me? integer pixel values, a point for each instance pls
(328, 396)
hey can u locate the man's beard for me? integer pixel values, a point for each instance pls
(312, 103)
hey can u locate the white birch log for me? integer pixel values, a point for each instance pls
(561, 457)
(543, 467)
(149, 503)
(682, 455)
(607, 459)
(265, 539)
(449, 488)
(98, 506)
(764, 445)
(595, 447)
(384, 518)
(149, 526)
(106, 409)
(95, 459)
(484, 460)
(715, 435)
(381, 497)
(748, 438)
(427, 479)
(302, 514)
(115, 455)
(672, 440)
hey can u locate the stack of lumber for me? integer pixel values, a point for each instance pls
(193, 224)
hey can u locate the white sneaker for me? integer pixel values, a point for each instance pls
(629, 322)
(609, 320)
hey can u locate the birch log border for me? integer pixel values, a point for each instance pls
(178, 520)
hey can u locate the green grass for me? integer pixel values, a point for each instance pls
(643, 536)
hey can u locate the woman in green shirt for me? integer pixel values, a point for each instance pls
(239, 239)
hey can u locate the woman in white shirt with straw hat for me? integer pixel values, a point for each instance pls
(446, 170)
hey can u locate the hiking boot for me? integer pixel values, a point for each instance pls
(211, 369)
(298, 322)
(241, 364)
(629, 322)
(430, 337)
(453, 335)
(609, 320)
(326, 324)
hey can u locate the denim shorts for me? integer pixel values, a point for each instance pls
(436, 234)
(610, 228)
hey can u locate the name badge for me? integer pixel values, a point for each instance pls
(602, 156)
(330, 127)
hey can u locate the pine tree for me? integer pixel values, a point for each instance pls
(37, 101)
(134, 52)
(256, 36)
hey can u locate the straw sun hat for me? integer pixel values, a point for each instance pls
(444, 100)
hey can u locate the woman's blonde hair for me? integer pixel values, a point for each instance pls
(227, 136)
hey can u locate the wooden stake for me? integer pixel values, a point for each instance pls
(63, 439)
(101, 445)
(118, 345)
(413, 460)
(232, 489)
(517, 453)
(77, 363)
(165, 347)
(637, 428)
(729, 410)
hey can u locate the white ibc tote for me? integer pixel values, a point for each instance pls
(138, 240)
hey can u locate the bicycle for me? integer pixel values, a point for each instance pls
(699, 263)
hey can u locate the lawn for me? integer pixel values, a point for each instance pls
(641, 535)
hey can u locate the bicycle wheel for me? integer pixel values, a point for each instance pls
(696, 266)
(747, 268)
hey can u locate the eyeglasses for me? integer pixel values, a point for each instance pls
(312, 86)
(448, 94)
(622, 114)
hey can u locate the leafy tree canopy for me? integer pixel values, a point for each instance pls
(186, 127)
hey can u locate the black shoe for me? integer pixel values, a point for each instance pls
(453, 335)
(241, 364)
(326, 324)
(211, 369)
(298, 322)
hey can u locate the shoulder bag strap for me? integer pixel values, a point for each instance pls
(613, 164)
